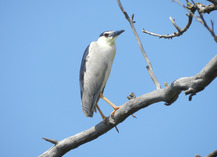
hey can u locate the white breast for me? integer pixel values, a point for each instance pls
(100, 55)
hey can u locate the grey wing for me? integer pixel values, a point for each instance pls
(90, 85)
(83, 69)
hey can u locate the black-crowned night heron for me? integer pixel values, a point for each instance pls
(94, 72)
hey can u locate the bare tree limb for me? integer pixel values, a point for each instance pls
(213, 1)
(191, 86)
(50, 140)
(208, 8)
(202, 20)
(213, 154)
(175, 34)
(149, 66)
(191, 9)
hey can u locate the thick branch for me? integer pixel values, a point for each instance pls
(191, 85)
(149, 66)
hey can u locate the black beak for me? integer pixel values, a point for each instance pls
(116, 33)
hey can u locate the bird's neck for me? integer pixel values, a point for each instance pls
(106, 42)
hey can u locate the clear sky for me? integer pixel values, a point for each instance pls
(41, 46)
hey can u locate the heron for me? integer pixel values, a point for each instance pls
(95, 69)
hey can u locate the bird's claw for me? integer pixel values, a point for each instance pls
(104, 118)
(115, 109)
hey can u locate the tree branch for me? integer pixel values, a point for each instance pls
(213, 1)
(191, 9)
(175, 34)
(202, 20)
(191, 86)
(213, 154)
(50, 140)
(149, 66)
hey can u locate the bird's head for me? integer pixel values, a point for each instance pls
(109, 36)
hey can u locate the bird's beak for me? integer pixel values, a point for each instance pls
(116, 33)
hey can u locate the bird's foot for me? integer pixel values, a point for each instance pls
(115, 109)
(104, 118)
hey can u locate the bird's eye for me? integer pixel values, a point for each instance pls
(106, 35)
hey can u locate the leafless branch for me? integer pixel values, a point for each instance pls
(191, 9)
(175, 34)
(213, 1)
(50, 140)
(213, 154)
(149, 66)
(208, 8)
(202, 20)
(190, 85)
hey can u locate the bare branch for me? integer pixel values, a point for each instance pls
(50, 140)
(177, 27)
(191, 9)
(213, 1)
(213, 154)
(149, 66)
(191, 86)
(209, 8)
(175, 34)
(202, 20)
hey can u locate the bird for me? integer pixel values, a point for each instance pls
(95, 69)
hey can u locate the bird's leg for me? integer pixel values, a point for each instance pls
(102, 115)
(110, 103)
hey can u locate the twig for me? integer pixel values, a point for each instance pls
(213, 154)
(211, 30)
(201, 19)
(191, 10)
(50, 140)
(175, 34)
(149, 67)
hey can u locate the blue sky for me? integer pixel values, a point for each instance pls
(41, 46)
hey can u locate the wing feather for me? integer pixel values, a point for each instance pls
(92, 76)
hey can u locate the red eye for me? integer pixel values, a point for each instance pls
(106, 35)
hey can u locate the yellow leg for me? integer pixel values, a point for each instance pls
(102, 115)
(110, 103)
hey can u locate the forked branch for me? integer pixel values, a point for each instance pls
(191, 8)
